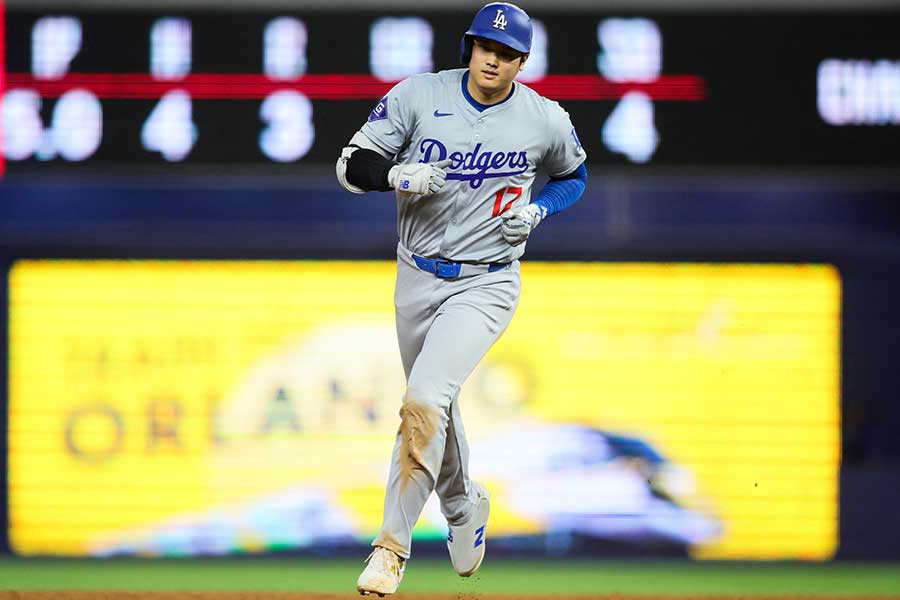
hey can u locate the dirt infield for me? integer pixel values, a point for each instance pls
(108, 595)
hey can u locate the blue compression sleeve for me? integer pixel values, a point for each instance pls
(561, 192)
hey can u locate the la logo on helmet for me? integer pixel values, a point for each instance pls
(500, 20)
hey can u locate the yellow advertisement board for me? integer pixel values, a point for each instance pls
(207, 407)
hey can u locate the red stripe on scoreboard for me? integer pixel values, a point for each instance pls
(250, 86)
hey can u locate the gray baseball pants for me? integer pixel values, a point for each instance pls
(444, 327)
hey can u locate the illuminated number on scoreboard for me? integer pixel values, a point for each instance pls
(75, 132)
(170, 48)
(629, 128)
(76, 126)
(631, 51)
(22, 126)
(284, 48)
(536, 65)
(169, 128)
(400, 47)
(54, 43)
(289, 133)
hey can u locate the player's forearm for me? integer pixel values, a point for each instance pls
(361, 170)
(363, 167)
(368, 170)
(561, 193)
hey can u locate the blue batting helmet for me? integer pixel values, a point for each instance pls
(502, 22)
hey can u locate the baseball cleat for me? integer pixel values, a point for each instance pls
(466, 542)
(382, 574)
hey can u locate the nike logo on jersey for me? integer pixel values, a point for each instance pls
(440, 114)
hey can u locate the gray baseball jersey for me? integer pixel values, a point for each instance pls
(445, 326)
(495, 155)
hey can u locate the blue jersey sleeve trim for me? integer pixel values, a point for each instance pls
(562, 192)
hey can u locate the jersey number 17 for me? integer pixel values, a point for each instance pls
(499, 207)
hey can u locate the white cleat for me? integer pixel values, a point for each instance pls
(382, 574)
(466, 542)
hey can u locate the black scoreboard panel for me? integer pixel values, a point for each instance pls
(130, 88)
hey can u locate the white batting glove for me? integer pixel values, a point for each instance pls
(518, 223)
(419, 178)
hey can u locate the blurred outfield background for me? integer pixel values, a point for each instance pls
(697, 395)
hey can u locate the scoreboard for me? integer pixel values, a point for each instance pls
(131, 88)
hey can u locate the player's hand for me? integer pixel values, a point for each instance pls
(419, 178)
(518, 223)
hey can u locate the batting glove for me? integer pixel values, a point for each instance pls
(518, 223)
(418, 178)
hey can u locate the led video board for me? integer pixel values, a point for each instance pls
(179, 407)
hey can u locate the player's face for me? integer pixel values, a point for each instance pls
(492, 68)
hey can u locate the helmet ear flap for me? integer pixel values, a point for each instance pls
(465, 49)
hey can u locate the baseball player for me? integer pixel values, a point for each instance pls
(461, 148)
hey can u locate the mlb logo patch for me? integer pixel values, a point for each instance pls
(380, 111)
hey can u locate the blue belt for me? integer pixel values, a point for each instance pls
(446, 269)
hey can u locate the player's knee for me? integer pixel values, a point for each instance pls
(420, 424)
(428, 394)
(419, 420)
(423, 414)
